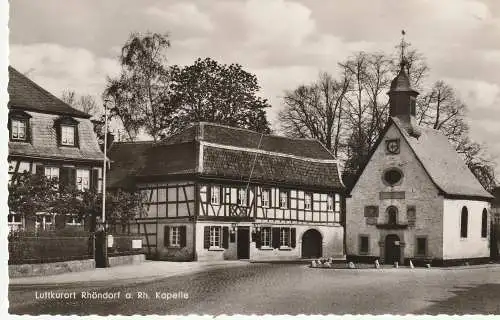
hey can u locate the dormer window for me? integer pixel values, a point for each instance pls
(19, 126)
(68, 135)
(67, 131)
(18, 130)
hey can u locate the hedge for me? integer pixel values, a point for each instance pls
(62, 245)
(45, 247)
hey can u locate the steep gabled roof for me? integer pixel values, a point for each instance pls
(27, 95)
(441, 162)
(221, 152)
(243, 138)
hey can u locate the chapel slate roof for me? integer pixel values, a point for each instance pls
(231, 153)
(27, 95)
(443, 164)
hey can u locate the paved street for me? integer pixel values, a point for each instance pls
(278, 289)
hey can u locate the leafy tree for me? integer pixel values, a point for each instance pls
(214, 92)
(31, 193)
(140, 95)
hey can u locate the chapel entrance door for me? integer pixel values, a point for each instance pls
(392, 249)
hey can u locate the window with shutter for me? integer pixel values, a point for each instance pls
(166, 236)
(275, 237)
(175, 236)
(183, 236)
(206, 237)
(284, 237)
(293, 239)
(225, 237)
(265, 237)
(215, 237)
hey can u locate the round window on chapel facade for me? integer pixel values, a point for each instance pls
(393, 176)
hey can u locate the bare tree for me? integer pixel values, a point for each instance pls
(315, 111)
(85, 103)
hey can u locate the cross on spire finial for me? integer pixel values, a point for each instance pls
(403, 46)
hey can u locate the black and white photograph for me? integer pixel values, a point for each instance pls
(251, 157)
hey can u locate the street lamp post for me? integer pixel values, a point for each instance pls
(104, 182)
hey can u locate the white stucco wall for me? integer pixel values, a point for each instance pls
(474, 246)
(419, 191)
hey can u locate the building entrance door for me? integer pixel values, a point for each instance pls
(312, 244)
(392, 249)
(243, 242)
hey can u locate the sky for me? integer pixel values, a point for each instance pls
(74, 44)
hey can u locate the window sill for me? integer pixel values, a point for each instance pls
(173, 247)
(215, 249)
(363, 253)
(285, 249)
(266, 248)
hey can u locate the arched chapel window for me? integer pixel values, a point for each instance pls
(484, 224)
(464, 221)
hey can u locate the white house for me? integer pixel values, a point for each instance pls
(415, 198)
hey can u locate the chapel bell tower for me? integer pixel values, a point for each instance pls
(402, 98)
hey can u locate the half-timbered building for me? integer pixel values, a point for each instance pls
(50, 137)
(216, 192)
